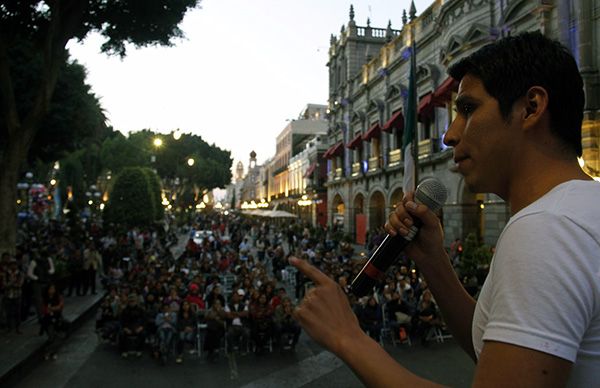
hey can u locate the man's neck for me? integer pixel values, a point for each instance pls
(537, 179)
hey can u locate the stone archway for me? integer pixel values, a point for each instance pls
(377, 210)
(338, 210)
(395, 198)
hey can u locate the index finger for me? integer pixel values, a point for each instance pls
(310, 271)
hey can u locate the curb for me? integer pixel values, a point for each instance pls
(20, 369)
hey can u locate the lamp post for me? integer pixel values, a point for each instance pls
(157, 143)
(94, 197)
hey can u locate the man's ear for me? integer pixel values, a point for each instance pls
(535, 106)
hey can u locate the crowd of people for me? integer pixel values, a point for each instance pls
(223, 291)
(217, 296)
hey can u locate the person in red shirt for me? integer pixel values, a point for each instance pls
(194, 297)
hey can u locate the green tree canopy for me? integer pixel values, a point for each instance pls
(43, 28)
(211, 167)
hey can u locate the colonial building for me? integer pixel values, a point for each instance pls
(368, 78)
(287, 182)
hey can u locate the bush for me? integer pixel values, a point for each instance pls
(474, 257)
(155, 190)
(133, 201)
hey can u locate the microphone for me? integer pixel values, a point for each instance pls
(430, 192)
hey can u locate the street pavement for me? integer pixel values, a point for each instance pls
(83, 362)
(20, 352)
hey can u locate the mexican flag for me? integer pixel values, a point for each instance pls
(410, 125)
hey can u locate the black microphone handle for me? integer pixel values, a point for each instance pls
(386, 254)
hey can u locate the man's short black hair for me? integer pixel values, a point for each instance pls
(510, 66)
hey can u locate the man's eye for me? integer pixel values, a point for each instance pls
(468, 109)
(465, 109)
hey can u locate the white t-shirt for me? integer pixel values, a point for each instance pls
(543, 289)
(236, 321)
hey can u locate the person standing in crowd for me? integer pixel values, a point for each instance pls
(52, 319)
(92, 261)
(12, 282)
(517, 134)
(76, 273)
(39, 272)
(260, 249)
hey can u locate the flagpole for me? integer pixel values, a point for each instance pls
(410, 148)
(413, 65)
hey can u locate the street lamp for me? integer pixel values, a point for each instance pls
(191, 162)
(157, 142)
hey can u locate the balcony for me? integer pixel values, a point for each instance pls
(338, 174)
(394, 157)
(356, 171)
(428, 147)
(374, 164)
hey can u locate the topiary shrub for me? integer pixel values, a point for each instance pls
(131, 201)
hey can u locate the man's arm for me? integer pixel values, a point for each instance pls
(502, 365)
(326, 316)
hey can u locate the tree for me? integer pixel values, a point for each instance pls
(45, 28)
(211, 167)
(153, 182)
(474, 257)
(132, 201)
(118, 152)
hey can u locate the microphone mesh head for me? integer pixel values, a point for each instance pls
(431, 192)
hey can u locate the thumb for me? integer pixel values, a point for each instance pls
(421, 211)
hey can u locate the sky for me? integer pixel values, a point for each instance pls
(244, 69)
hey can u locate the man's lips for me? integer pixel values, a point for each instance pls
(458, 159)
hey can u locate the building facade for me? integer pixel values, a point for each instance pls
(368, 78)
(286, 171)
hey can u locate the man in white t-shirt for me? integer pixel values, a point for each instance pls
(238, 331)
(517, 134)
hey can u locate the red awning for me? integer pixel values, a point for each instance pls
(425, 108)
(334, 150)
(443, 93)
(328, 152)
(310, 170)
(354, 143)
(396, 121)
(374, 131)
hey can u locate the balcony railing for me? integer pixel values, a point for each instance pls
(356, 169)
(428, 147)
(394, 157)
(338, 174)
(374, 164)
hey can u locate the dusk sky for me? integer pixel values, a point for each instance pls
(243, 70)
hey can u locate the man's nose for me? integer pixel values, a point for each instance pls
(451, 138)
